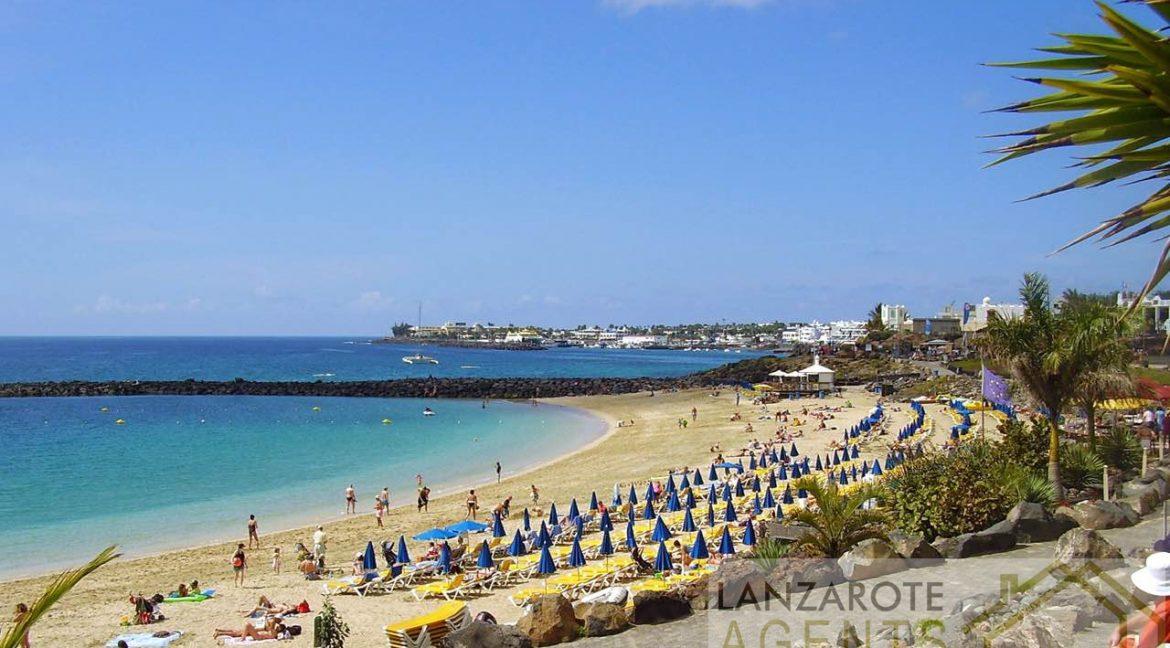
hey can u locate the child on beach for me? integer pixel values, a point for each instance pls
(239, 565)
(21, 613)
(276, 560)
(379, 510)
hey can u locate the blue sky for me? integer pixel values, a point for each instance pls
(313, 168)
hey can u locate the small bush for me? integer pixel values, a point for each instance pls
(1026, 486)
(1120, 449)
(768, 553)
(1025, 443)
(329, 631)
(1080, 467)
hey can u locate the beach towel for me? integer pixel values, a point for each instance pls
(237, 641)
(145, 640)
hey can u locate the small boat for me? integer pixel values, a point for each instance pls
(419, 358)
(428, 411)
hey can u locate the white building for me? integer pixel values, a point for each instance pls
(1155, 309)
(642, 341)
(893, 316)
(975, 315)
(846, 331)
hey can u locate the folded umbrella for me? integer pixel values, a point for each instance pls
(517, 546)
(484, 560)
(749, 534)
(660, 530)
(688, 525)
(699, 547)
(726, 545)
(662, 561)
(403, 554)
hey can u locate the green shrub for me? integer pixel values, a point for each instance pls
(1025, 443)
(1026, 486)
(768, 553)
(329, 631)
(1080, 467)
(948, 494)
(1120, 449)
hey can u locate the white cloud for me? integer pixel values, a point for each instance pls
(107, 305)
(372, 300)
(634, 6)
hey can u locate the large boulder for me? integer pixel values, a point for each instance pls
(1032, 522)
(549, 620)
(1142, 496)
(736, 582)
(786, 531)
(870, 559)
(486, 635)
(848, 638)
(1034, 630)
(656, 607)
(802, 574)
(1100, 514)
(975, 544)
(1085, 544)
(699, 593)
(914, 547)
(602, 619)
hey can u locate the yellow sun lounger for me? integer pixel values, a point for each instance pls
(448, 589)
(355, 585)
(429, 629)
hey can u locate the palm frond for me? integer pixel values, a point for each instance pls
(52, 594)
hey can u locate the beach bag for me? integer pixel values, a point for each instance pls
(302, 607)
(293, 630)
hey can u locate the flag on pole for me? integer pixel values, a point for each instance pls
(995, 388)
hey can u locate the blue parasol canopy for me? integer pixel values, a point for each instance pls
(793, 452)
(877, 468)
(606, 548)
(546, 564)
(517, 546)
(729, 513)
(650, 492)
(843, 478)
(688, 525)
(710, 513)
(726, 546)
(403, 554)
(769, 501)
(690, 501)
(756, 483)
(749, 534)
(756, 505)
(662, 561)
(580, 524)
(648, 512)
(369, 560)
(484, 560)
(593, 501)
(855, 453)
(552, 514)
(752, 461)
(606, 523)
(673, 504)
(574, 512)
(786, 498)
(685, 483)
(466, 526)
(497, 526)
(670, 487)
(781, 474)
(444, 559)
(436, 534)
(764, 460)
(660, 530)
(617, 499)
(819, 467)
(727, 492)
(527, 520)
(699, 547)
(698, 477)
(543, 539)
(631, 541)
(712, 475)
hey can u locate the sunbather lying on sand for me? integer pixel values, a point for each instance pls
(274, 630)
(268, 608)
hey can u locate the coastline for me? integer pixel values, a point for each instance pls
(89, 615)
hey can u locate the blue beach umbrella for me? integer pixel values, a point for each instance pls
(726, 545)
(756, 483)
(690, 501)
(688, 525)
(843, 478)
(576, 556)
(403, 554)
(606, 548)
(444, 559)
(648, 512)
(698, 477)
(673, 504)
(466, 526)
(369, 560)
(593, 501)
(739, 488)
(710, 513)
(819, 467)
(783, 454)
(527, 520)
(484, 560)
(685, 483)
(786, 498)
(546, 565)
(855, 453)
(552, 514)
(769, 501)
(864, 468)
(727, 492)
(436, 534)
(779, 512)
(699, 548)
(793, 452)
(580, 524)
(802, 494)
(710, 492)
(781, 474)
(517, 546)
(617, 500)
(662, 561)
(650, 492)
(756, 505)
(836, 459)
(497, 526)
(877, 468)
(752, 461)
(631, 541)
(712, 475)
(633, 496)
(853, 472)
(574, 512)
(729, 513)
(660, 530)
(543, 539)
(606, 523)
(764, 460)
(670, 487)
(749, 534)
(795, 471)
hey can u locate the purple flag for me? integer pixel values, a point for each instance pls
(995, 388)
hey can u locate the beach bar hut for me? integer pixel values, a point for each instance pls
(818, 375)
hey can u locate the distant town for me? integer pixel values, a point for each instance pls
(885, 321)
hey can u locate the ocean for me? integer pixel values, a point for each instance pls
(186, 470)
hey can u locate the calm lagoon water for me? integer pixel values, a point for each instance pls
(186, 470)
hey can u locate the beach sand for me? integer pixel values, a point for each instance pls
(89, 615)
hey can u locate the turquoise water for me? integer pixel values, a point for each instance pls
(321, 358)
(186, 470)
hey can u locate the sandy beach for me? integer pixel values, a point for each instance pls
(655, 444)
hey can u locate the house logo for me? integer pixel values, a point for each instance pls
(1107, 592)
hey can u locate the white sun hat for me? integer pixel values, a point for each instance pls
(1154, 578)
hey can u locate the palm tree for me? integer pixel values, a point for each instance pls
(1058, 356)
(875, 323)
(1117, 88)
(1105, 334)
(839, 520)
(53, 593)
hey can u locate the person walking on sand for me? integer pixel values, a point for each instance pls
(21, 613)
(239, 565)
(424, 498)
(385, 497)
(350, 500)
(379, 511)
(472, 504)
(535, 494)
(497, 471)
(319, 540)
(253, 532)
(694, 414)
